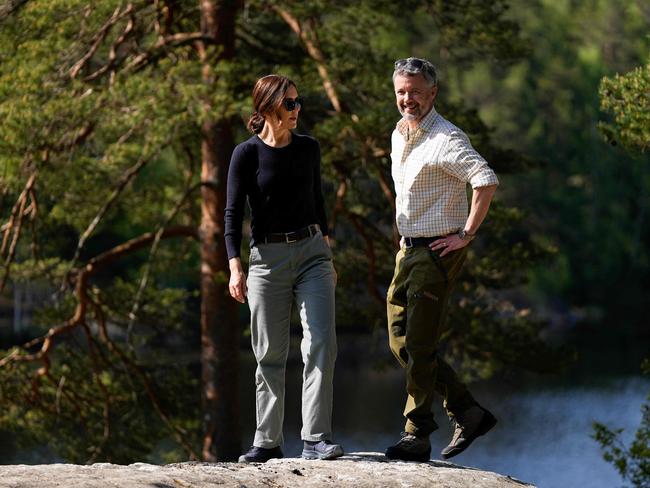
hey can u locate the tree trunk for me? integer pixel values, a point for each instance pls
(219, 325)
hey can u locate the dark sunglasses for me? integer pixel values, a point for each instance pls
(292, 104)
(414, 64)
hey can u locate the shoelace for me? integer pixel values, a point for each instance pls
(325, 444)
(458, 431)
(408, 438)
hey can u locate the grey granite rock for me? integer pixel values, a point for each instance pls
(356, 470)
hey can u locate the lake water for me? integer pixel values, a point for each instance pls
(543, 434)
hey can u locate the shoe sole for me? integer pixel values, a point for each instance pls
(312, 455)
(244, 459)
(487, 423)
(420, 458)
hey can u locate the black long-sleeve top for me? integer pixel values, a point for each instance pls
(283, 186)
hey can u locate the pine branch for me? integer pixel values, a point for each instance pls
(307, 34)
(19, 212)
(178, 433)
(152, 254)
(92, 352)
(10, 7)
(118, 15)
(131, 173)
(162, 46)
(112, 54)
(362, 225)
(81, 277)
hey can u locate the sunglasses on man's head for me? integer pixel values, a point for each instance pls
(416, 64)
(292, 104)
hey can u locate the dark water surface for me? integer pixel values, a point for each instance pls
(543, 434)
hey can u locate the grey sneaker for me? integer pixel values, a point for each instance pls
(470, 424)
(322, 450)
(410, 448)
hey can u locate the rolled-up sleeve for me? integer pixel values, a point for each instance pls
(462, 161)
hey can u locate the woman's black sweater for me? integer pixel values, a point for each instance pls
(283, 187)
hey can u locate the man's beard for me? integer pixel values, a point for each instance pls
(410, 116)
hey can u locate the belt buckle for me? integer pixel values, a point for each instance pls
(408, 243)
(288, 240)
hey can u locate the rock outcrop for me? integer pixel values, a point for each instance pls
(356, 470)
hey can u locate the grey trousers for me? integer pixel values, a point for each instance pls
(281, 274)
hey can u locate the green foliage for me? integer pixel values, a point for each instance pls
(122, 146)
(590, 200)
(356, 149)
(88, 408)
(633, 461)
(84, 137)
(627, 97)
(473, 29)
(491, 331)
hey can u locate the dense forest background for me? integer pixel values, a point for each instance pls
(117, 123)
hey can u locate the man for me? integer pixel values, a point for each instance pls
(432, 162)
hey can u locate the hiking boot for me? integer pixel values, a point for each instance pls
(410, 448)
(321, 450)
(260, 454)
(470, 424)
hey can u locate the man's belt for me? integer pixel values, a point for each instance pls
(419, 241)
(294, 236)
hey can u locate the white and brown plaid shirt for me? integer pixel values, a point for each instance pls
(431, 168)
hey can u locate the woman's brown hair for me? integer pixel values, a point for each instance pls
(268, 94)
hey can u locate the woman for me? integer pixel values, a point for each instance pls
(290, 262)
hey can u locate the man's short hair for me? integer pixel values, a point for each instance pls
(415, 66)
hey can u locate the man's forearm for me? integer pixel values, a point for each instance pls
(481, 198)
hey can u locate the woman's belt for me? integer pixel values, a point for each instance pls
(294, 236)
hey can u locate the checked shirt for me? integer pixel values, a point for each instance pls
(431, 167)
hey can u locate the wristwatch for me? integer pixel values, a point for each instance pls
(466, 236)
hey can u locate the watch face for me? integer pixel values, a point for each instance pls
(465, 236)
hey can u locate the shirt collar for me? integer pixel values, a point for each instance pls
(425, 124)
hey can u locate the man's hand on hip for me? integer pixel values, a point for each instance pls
(448, 244)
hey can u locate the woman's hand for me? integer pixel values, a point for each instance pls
(237, 284)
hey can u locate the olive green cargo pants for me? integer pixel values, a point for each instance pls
(417, 305)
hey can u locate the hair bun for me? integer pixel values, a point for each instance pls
(256, 122)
